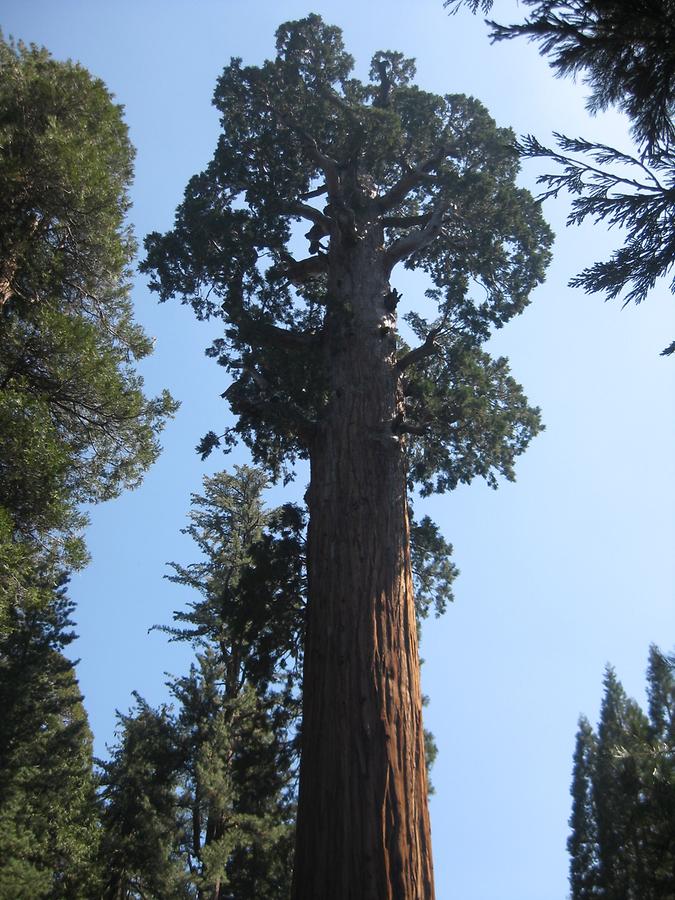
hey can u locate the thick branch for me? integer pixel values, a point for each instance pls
(298, 272)
(273, 336)
(428, 348)
(409, 180)
(417, 239)
(317, 192)
(405, 221)
(409, 428)
(310, 213)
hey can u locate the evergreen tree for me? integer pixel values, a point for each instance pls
(238, 707)
(141, 819)
(383, 173)
(624, 53)
(236, 782)
(201, 801)
(75, 426)
(48, 808)
(622, 842)
(582, 843)
(251, 581)
(622, 731)
(660, 768)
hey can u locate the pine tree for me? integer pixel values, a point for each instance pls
(200, 799)
(659, 767)
(238, 707)
(582, 843)
(75, 425)
(48, 808)
(235, 786)
(624, 53)
(622, 731)
(382, 173)
(621, 844)
(141, 822)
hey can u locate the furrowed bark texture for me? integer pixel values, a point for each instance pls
(363, 828)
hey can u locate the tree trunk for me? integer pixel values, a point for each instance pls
(363, 827)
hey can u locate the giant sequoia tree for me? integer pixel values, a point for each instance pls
(381, 173)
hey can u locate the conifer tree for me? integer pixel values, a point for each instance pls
(624, 54)
(622, 843)
(141, 821)
(582, 843)
(660, 768)
(75, 425)
(48, 808)
(381, 173)
(235, 787)
(622, 730)
(200, 799)
(238, 707)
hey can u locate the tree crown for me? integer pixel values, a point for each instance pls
(379, 167)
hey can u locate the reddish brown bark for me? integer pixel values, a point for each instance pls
(363, 828)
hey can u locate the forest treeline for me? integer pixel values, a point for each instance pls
(201, 797)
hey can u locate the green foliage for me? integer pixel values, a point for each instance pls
(634, 196)
(239, 705)
(624, 52)
(48, 809)
(140, 818)
(75, 426)
(251, 579)
(623, 788)
(432, 173)
(200, 801)
(433, 573)
(475, 416)
(236, 778)
(582, 843)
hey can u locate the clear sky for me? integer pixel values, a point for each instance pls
(567, 569)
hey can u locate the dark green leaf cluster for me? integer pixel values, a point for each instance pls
(433, 572)
(75, 425)
(632, 195)
(624, 52)
(48, 810)
(474, 417)
(251, 579)
(237, 783)
(302, 140)
(200, 801)
(140, 822)
(622, 843)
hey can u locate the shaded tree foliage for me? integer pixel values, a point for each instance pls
(624, 54)
(379, 173)
(200, 800)
(75, 425)
(239, 705)
(622, 842)
(48, 809)
(141, 825)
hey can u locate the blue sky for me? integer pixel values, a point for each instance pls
(567, 569)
